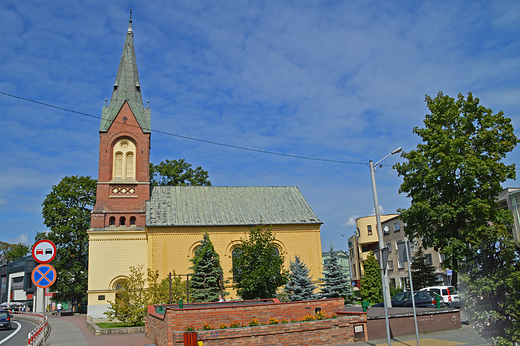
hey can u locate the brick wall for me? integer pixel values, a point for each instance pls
(167, 329)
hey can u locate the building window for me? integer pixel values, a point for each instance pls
(397, 226)
(400, 264)
(124, 160)
(389, 246)
(112, 221)
(369, 228)
(392, 282)
(132, 221)
(428, 258)
(442, 258)
(122, 221)
(390, 265)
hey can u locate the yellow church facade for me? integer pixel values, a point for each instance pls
(159, 227)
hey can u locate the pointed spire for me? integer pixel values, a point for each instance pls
(127, 88)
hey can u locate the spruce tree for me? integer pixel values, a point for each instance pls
(423, 274)
(300, 286)
(335, 283)
(371, 288)
(205, 283)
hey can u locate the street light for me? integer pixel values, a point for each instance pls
(384, 278)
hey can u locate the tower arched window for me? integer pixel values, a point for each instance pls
(132, 221)
(122, 221)
(112, 221)
(124, 160)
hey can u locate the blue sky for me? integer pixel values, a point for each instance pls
(334, 80)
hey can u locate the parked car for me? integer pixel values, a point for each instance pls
(404, 299)
(449, 294)
(5, 319)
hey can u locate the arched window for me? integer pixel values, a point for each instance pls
(236, 271)
(132, 221)
(124, 160)
(112, 221)
(122, 221)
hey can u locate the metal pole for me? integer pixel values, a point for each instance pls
(408, 257)
(44, 309)
(386, 300)
(170, 276)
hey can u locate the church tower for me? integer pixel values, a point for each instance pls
(117, 237)
(124, 150)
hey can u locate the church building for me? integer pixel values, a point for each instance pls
(160, 227)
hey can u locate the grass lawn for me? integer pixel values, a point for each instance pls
(106, 325)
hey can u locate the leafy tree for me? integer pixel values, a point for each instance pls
(490, 290)
(206, 281)
(257, 265)
(66, 211)
(134, 294)
(371, 288)
(11, 252)
(454, 176)
(335, 283)
(300, 285)
(423, 274)
(17, 251)
(178, 290)
(178, 173)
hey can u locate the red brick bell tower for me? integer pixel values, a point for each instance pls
(124, 151)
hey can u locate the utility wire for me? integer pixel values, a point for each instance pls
(193, 138)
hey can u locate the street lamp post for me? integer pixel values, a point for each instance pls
(384, 277)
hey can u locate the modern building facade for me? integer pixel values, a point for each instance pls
(159, 228)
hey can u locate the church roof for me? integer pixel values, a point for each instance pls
(127, 88)
(227, 206)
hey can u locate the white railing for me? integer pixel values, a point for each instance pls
(37, 336)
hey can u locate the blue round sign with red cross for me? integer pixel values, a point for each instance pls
(44, 275)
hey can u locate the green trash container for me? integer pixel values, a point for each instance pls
(365, 305)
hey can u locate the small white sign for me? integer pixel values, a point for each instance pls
(358, 329)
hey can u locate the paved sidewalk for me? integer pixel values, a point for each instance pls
(72, 331)
(464, 336)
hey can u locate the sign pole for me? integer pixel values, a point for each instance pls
(44, 309)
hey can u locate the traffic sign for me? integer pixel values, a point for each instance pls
(44, 251)
(44, 275)
(449, 272)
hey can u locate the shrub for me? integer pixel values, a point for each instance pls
(235, 324)
(207, 326)
(222, 326)
(254, 322)
(189, 328)
(273, 321)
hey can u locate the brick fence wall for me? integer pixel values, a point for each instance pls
(167, 329)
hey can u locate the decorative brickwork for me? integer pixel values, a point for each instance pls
(167, 329)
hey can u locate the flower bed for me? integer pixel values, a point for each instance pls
(233, 321)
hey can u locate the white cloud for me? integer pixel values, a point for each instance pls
(351, 221)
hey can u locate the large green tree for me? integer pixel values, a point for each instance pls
(178, 173)
(206, 281)
(371, 288)
(66, 212)
(455, 174)
(17, 251)
(258, 266)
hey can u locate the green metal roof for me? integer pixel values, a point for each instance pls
(227, 206)
(127, 88)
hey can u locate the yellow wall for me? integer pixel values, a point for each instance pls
(111, 253)
(171, 248)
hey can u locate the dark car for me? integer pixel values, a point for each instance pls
(404, 299)
(5, 319)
